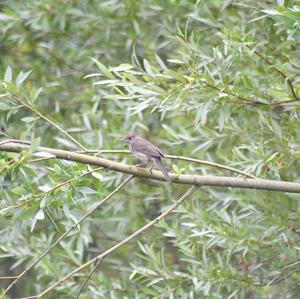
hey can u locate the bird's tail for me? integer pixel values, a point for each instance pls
(162, 168)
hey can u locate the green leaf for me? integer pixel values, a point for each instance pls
(8, 74)
(176, 169)
(29, 119)
(104, 70)
(19, 190)
(4, 106)
(86, 190)
(97, 175)
(147, 67)
(35, 143)
(204, 112)
(40, 215)
(21, 78)
(161, 63)
(34, 93)
(28, 212)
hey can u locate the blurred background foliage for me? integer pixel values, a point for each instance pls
(213, 80)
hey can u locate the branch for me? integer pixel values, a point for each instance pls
(91, 210)
(126, 152)
(172, 157)
(88, 277)
(123, 242)
(47, 120)
(205, 180)
(280, 72)
(212, 164)
(233, 94)
(8, 277)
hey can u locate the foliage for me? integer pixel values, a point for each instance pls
(213, 80)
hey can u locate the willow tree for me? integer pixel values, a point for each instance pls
(215, 84)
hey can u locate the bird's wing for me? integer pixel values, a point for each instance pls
(147, 148)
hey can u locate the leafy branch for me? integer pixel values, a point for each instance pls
(280, 72)
(42, 194)
(66, 233)
(138, 232)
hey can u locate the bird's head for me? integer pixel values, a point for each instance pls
(129, 138)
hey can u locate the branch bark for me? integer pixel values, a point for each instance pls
(217, 181)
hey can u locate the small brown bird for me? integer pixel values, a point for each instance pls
(145, 151)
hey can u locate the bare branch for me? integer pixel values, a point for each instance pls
(88, 277)
(220, 181)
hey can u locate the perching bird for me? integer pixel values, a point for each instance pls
(145, 151)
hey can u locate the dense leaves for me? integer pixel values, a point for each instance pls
(212, 80)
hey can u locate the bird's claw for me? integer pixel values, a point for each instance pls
(150, 169)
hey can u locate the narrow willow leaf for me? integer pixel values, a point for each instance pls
(8, 74)
(105, 71)
(147, 67)
(21, 78)
(161, 63)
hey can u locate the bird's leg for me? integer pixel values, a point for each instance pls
(151, 167)
(144, 163)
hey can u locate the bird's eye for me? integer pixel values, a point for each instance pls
(129, 138)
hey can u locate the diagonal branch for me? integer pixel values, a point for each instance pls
(88, 277)
(205, 180)
(47, 120)
(280, 72)
(123, 242)
(109, 196)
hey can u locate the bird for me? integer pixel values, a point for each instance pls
(145, 151)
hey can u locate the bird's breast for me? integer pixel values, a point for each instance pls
(141, 156)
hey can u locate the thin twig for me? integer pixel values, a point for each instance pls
(47, 120)
(280, 72)
(217, 165)
(14, 141)
(123, 242)
(233, 94)
(90, 211)
(40, 159)
(8, 277)
(88, 277)
(4, 134)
